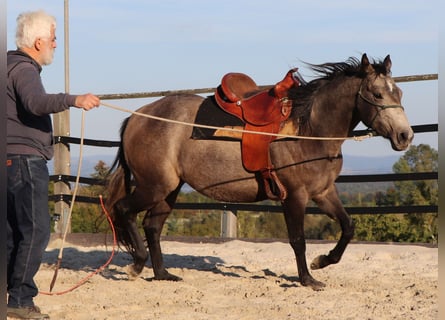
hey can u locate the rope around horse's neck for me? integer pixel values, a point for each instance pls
(278, 135)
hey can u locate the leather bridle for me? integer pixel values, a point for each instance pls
(380, 107)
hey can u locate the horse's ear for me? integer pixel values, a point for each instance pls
(365, 65)
(387, 62)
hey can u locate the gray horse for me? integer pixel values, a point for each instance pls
(156, 158)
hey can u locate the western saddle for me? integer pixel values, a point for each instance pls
(262, 111)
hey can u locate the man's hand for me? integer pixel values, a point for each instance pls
(87, 101)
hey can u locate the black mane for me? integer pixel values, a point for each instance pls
(303, 96)
(329, 71)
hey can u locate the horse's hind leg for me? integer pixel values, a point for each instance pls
(332, 206)
(128, 234)
(153, 223)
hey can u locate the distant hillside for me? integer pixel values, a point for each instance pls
(368, 165)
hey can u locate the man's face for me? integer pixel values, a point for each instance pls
(47, 47)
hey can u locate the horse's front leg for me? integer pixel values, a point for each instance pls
(332, 206)
(153, 224)
(294, 211)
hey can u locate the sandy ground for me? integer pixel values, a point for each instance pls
(244, 280)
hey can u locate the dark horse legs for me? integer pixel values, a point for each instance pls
(294, 212)
(332, 206)
(153, 223)
(294, 216)
(129, 235)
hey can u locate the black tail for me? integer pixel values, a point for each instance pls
(120, 161)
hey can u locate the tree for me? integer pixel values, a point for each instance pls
(421, 227)
(421, 158)
(101, 170)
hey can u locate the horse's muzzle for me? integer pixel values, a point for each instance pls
(402, 139)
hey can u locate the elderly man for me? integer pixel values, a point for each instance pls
(29, 146)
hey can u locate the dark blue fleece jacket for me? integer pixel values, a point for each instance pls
(28, 107)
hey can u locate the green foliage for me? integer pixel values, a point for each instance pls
(396, 228)
(261, 225)
(205, 223)
(321, 227)
(188, 223)
(421, 158)
(419, 227)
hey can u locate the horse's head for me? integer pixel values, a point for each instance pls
(379, 104)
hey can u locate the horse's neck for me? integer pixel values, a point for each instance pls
(333, 109)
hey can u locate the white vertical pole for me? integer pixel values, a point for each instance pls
(229, 224)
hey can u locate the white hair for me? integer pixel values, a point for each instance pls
(32, 26)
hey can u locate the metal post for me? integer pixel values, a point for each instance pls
(62, 165)
(229, 224)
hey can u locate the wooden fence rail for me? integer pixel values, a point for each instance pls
(154, 94)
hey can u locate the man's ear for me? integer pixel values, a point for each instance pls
(38, 44)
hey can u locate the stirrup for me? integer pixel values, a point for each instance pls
(273, 187)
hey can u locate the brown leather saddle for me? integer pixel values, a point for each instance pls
(261, 110)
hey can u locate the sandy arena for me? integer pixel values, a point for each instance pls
(243, 280)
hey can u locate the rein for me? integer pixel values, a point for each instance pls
(380, 107)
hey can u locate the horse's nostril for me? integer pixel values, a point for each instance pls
(403, 136)
(406, 135)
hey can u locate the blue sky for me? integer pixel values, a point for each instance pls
(123, 46)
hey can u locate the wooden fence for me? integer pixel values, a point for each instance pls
(229, 209)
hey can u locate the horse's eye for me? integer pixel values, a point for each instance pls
(377, 95)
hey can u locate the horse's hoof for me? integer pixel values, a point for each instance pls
(166, 276)
(317, 285)
(132, 273)
(314, 284)
(320, 262)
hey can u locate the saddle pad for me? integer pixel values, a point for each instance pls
(211, 114)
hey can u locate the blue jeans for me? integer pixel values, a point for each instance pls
(28, 225)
